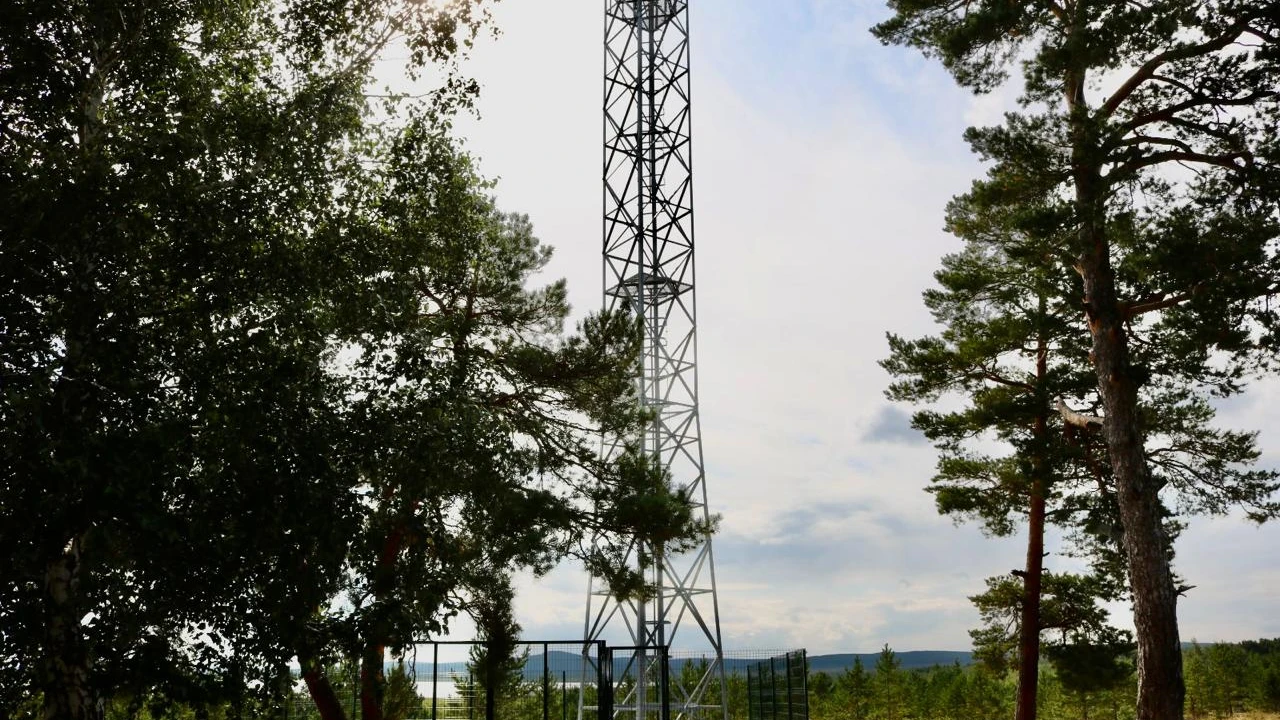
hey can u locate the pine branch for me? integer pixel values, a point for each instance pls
(1075, 418)
(1149, 68)
(1168, 114)
(1132, 310)
(1224, 160)
(1155, 140)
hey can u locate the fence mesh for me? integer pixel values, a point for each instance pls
(777, 688)
(562, 681)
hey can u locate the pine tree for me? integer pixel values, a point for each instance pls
(1009, 347)
(888, 685)
(1117, 95)
(1012, 349)
(855, 686)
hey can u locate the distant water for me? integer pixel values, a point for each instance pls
(445, 688)
(448, 689)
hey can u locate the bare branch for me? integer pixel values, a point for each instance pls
(1074, 418)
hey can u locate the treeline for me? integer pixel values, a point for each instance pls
(1223, 680)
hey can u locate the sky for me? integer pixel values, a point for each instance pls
(822, 164)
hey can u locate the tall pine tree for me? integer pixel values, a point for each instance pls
(1014, 349)
(1151, 126)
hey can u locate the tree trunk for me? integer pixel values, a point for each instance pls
(1029, 632)
(372, 682)
(321, 691)
(68, 691)
(67, 663)
(1160, 684)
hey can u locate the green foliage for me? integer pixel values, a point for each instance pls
(888, 691)
(1074, 629)
(854, 686)
(1144, 159)
(1223, 679)
(276, 382)
(888, 685)
(1084, 680)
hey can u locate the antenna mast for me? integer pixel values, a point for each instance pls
(648, 268)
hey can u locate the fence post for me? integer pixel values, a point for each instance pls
(751, 691)
(471, 699)
(665, 687)
(490, 697)
(789, 692)
(804, 661)
(546, 684)
(773, 688)
(435, 677)
(604, 701)
(564, 697)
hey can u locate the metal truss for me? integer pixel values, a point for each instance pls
(648, 268)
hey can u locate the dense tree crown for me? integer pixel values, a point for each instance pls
(1144, 157)
(276, 384)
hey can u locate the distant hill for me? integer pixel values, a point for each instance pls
(558, 662)
(911, 660)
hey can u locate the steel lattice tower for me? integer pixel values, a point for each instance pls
(648, 268)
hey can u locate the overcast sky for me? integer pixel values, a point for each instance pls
(822, 162)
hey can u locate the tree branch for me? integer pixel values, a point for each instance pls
(1057, 9)
(1226, 160)
(1155, 140)
(1150, 67)
(1132, 310)
(1074, 418)
(989, 375)
(1167, 114)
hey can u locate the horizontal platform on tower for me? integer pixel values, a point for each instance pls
(657, 287)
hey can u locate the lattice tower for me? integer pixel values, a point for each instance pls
(648, 267)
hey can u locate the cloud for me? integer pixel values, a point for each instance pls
(822, 164)
(893, 425)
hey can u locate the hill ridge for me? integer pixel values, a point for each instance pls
(558, 661)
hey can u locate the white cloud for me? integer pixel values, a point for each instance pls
(820, 191)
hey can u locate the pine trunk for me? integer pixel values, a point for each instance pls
(1160, 683)
(1029, 632)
